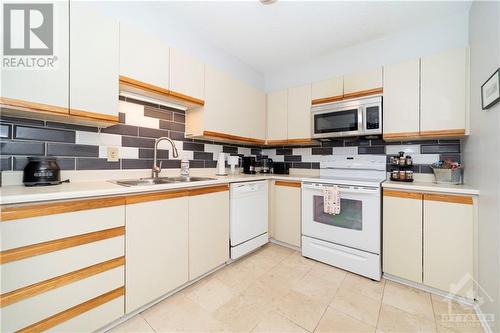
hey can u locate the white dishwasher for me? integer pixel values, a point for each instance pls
(248, 217)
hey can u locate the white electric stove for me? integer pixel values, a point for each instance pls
(350, 240)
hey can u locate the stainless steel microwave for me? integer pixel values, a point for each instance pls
(347, 118)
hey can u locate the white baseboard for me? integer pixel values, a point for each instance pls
(277, 242)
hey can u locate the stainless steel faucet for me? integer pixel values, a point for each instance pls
(157, 168)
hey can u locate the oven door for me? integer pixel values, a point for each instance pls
(357, 225)
(344, 121)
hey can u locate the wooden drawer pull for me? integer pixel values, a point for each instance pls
(58, 281)
(70, 313)
(449, 198)
(286, 183)
(58, 244)
(211, 189)
(402, 194)
(22, 212)
(133, 199)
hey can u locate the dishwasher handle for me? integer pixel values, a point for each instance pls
(344, 189)
(248, 188)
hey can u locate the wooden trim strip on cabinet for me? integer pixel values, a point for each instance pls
(58, 244)
(276, 142)
(145, 197)
(231, 137)
(327, 99)
(362, 93)
(58, 281)
(304, 141)
(402, 194)
(401, 135)
(443, 133)
(449, 198)
(127, 81)
(93, 115)
(210, 189)
(33, 106)
(70, 313)
(22, 212)
(287, 183)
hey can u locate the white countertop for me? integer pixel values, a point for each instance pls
(18, 194)
(431, 187)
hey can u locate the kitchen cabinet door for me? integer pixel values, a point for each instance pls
(44, 89)
(187, 75)
(208, 232)
(448, 243)
(156, 249)
(363, 83)
(402, 99)
(255, 115)
(94, 67)
(287, 212)
(444, 93)
(402, 234)
(299, 112)
(143, 57)
(277, 115)
(327, 90)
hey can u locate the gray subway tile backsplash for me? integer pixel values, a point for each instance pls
(43, 134)
(22, 148)
(71, 155)
(66, 149)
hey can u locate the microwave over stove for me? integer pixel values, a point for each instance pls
(347, 118)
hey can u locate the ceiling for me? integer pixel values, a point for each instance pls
(292, 32)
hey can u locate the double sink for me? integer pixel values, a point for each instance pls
(159, 180)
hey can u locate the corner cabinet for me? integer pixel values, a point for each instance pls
(156, 246)
(429, 238)
(135, 47)
(277, 109)
(94, 65)
(286, 212)
(187, 75)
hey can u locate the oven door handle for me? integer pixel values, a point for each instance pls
(344, 189)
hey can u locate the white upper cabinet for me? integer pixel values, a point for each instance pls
(444, 93)
(94, 66)
(362, 82)
(402, 99)
(187, 75)
(327, 90)
(143, 58)
(277, 115)
(48, 86)
(256, 112)
(299, 112)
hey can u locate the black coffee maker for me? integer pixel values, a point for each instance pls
(266, 165)
(249, 165)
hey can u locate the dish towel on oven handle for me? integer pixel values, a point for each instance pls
(331, 199)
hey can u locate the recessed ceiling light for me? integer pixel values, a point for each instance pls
(267, 2)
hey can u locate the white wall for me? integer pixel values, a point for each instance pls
(484, 143)
(447, 33)
(175, 34)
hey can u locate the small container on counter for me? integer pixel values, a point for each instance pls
(395, 174)
(184, 167)
(402, 174)
(402, 159)
(408, 175)
(408, 160)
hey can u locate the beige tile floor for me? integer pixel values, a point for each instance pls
(277, 290)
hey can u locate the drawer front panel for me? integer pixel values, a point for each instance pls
(21, 273)
(22, 232)
(32, 310)
(93, 319)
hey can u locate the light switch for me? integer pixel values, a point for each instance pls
(113, 154)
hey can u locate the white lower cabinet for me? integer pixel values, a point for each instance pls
(448, 244)
(287, 213)
(402, 235)
(208, 232)
(429, 239)
(156, 249)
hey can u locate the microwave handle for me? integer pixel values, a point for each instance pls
(363, 118)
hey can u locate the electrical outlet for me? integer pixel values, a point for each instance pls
(113, 154)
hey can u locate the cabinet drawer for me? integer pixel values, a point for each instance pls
(93, 319)
(21, 273)
(37, 308)
(32, 230)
